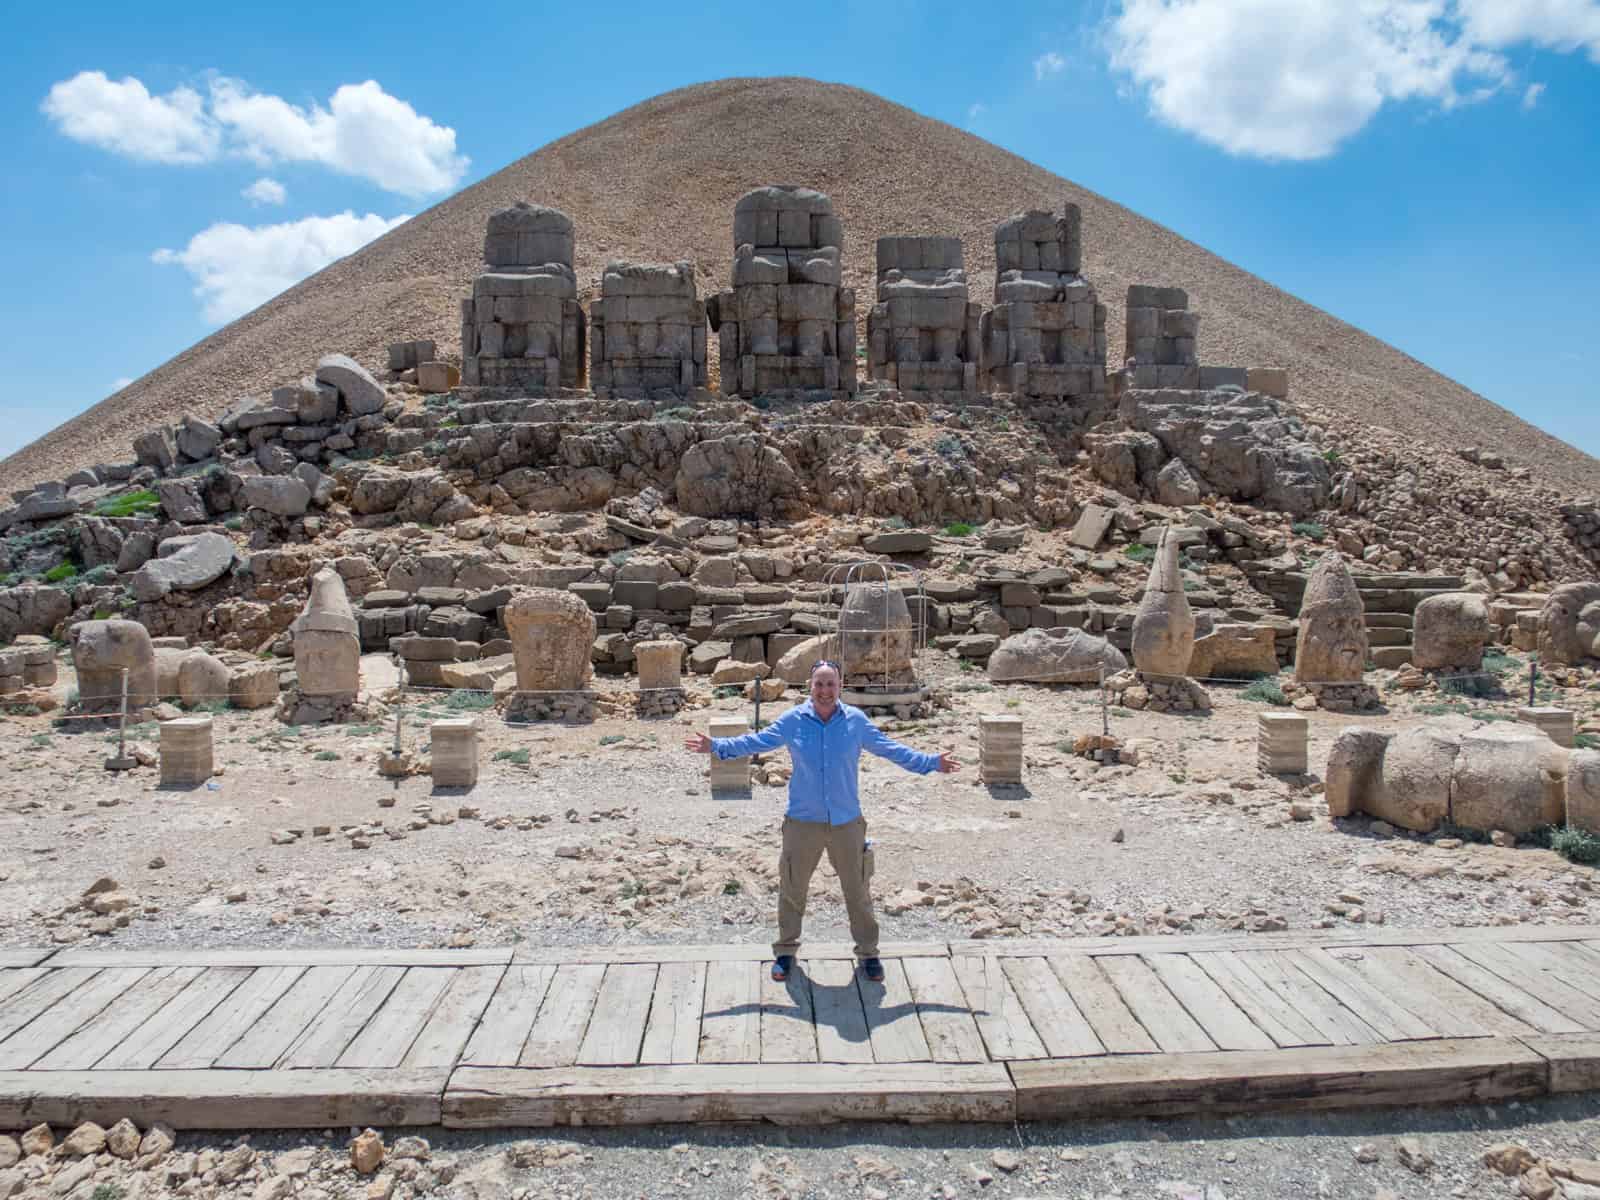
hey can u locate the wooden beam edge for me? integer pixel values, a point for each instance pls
(337, 956)
(662, 952)
(1573, 1059)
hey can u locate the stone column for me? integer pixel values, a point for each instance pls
(730, 773)
(1000, 749)
(186, 751)
(455, 752)
(1559, 724)
(1281, 743)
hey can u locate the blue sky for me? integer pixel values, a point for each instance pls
(1428, 170)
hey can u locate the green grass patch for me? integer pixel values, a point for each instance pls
(1265, 691)
(326, 756)
(1449, 829)
(128, 504)
(1138, 552)
(1586, 741)
(957, 529)
(40, 741)
(1331, 456)
(1309, 529)
(1575, 845)
(731, 888)
(611, 739)
(60, 573)
(519, 757)
(361, 730)
(1498, 663)
(896, 523)
(727, 691)
(468, 701)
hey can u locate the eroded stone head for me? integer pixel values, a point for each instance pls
(1332, 645)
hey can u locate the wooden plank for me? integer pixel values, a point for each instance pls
(1443, 1071)
(1505, 996)
(947, 1022)
(558, 1030)
(281, 1026)
(1164, 1018)
(1573, 1058)
(893, 1026)
(1003, 1022)
(672, 1035)
(1386, 1016)
(27, 1004)
(222, 1099)
(13, 981)
(616, 1030)
(1265, 1008)
(730, 1024)
(143, 1048)
(788, 1029)
(1293, 939)
(1533, 974)
(1407, 994)
(454, 1018)
(1303, 995)
(24, 957)
(1051, 1011)
(65, 1017)
(1576, 964)
(801, 1092)
(1102, 1005)
(386, 1038)
(842, 1035)
(345, 956)
(230, 1019)
(119, 1020)
(1225, 1022)
(322, 1041)
(716, 952)
(498, 1040)
(1455, 1004)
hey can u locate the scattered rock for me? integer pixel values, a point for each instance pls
(1412, 1155)
(86, 1139)
(366, 1151)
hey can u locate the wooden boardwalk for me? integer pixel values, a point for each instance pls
(972, 1031)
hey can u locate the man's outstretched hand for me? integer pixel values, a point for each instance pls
(948, 763)
(699, 743)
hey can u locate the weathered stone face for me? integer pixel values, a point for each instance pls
(1040, 657)
(876, 634)
(327, 641)
(1449, 632)
(551, 635)
(1332, 645)
(1583, 790)
(1569, 624)
(101, 650)
(1163, 630)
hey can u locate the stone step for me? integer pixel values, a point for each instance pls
(1388, 637)
(1386, 620)
(1390, 657)
(1405, 579)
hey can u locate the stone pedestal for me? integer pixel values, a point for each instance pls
(1559, 724)
(1000, 749)
(660, 664)
(1281, 744)
(730, 773)
(186, 751)
(455, 752)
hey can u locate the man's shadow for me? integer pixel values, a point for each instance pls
(852, 1010)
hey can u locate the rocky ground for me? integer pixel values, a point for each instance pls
(1514, 1150)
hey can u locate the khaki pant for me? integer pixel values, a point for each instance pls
(803, 845)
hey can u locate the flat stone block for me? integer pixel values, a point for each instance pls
(1000, 749)
(1559, 724)
(186, 751)
(732, 773)
(455, 752)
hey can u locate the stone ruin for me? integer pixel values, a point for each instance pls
(101, 652)
(1330, 657)
(787, 325)
(552, 635)
(1163, 642)
(877, 639)
(1569, 624)
(647, 331)
(523, 327)
(327, 655)
(1045, 337)
(922, 334)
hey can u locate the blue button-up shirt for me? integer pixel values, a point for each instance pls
(825, 755)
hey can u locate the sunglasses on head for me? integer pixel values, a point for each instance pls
(823, 662)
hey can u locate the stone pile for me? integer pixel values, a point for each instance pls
(1000, 750)
(647, 331)
(522, 326)
(1281, 743)
(923, 334)
(787, 325)
(1045, 337)
(30, 661)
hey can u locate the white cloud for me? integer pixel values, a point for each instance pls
(126, 119)
(237, 267)
(1563, 25)
(1531, 96)
(122, 382)
(363, 131)
(975, 111)
(1048, 63)
(1292, 79)
(265, 191)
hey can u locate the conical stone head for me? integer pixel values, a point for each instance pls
(1163, 630)
(1332, 643)
(327, 641)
